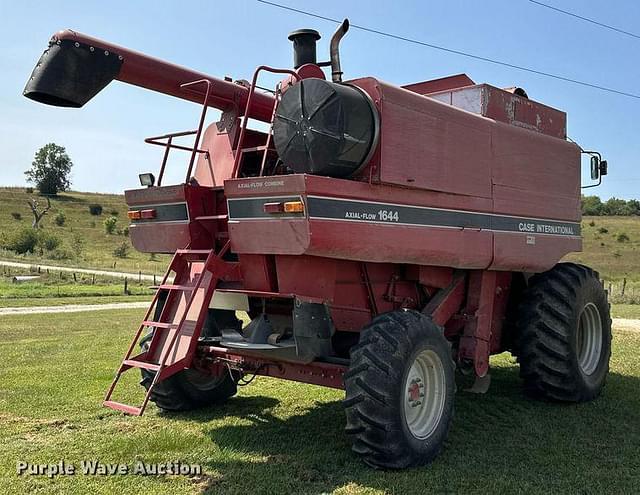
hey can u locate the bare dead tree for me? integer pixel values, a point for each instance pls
(37, 215)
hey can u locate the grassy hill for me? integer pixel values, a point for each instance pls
(97, 250)
(611, 244)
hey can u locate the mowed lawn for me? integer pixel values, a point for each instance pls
(279, 437)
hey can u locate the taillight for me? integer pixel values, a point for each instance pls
(141, 214)
(147, 214)
(284, 207)
(294, 207)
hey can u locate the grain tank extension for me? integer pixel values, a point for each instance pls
(373, 238)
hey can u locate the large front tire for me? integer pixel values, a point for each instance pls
(564, 334)
(400, 390)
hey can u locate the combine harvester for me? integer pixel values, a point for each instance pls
(379, 238)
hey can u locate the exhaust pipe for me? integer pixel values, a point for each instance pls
(334, 51)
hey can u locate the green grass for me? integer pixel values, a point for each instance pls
(38, 290)
(602, 250)
(20, 302)
(283, 437)
(631, 311)
(63, 285)
(98, 248)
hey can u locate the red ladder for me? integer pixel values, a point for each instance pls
(174, 344)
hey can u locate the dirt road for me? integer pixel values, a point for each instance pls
(72, 308)
(618, 323)
(90, 271)
(628, 325)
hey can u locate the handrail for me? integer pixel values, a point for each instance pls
(168, 145)
(245, 120)
(156, 140)
(202, 116)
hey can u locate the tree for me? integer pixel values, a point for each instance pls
(37, 215)
(591, 205)
(616, 207)
(50, 169)
(633, 205)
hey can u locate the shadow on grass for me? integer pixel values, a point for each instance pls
(498, 441)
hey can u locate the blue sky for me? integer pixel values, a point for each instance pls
(105, 139)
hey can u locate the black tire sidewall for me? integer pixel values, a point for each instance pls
(592, 292)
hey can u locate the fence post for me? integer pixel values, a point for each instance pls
(624, 285)
(126, 290)
(139, 276)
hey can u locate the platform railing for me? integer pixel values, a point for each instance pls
(169, 145)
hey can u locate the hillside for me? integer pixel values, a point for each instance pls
(614, 255)
(611, 245)
(97, 247)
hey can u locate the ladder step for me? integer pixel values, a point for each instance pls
(177, 287)
(159, 324)
(256, 148)
(203, 252)
(134, 363)
(136, 411)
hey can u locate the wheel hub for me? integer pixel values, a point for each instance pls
(589, 339)
(424, 394)
(415, 392)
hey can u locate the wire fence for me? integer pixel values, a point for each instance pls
(623, 291)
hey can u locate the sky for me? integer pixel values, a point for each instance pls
(105, 138)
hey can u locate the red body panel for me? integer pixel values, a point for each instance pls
(494, 190)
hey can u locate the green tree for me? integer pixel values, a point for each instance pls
(633, 205)
(50, 169)
(615, 207)
(591, 205)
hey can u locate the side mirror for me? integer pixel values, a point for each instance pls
(596, 167)
(603, 167)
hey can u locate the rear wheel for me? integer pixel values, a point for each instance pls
(400, 388)
(564, 334)
(191, 389)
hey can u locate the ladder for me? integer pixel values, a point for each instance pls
(180, 321)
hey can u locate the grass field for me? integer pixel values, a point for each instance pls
(98, 246)
(19, 302)
(281, 437)
(625, 311)
(607, 251)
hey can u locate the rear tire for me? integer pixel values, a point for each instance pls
(400, 390)
(192, 389)
(564, 334)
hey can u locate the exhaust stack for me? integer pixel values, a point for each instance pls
(334, 51)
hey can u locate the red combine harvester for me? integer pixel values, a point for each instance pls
(378, 237)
